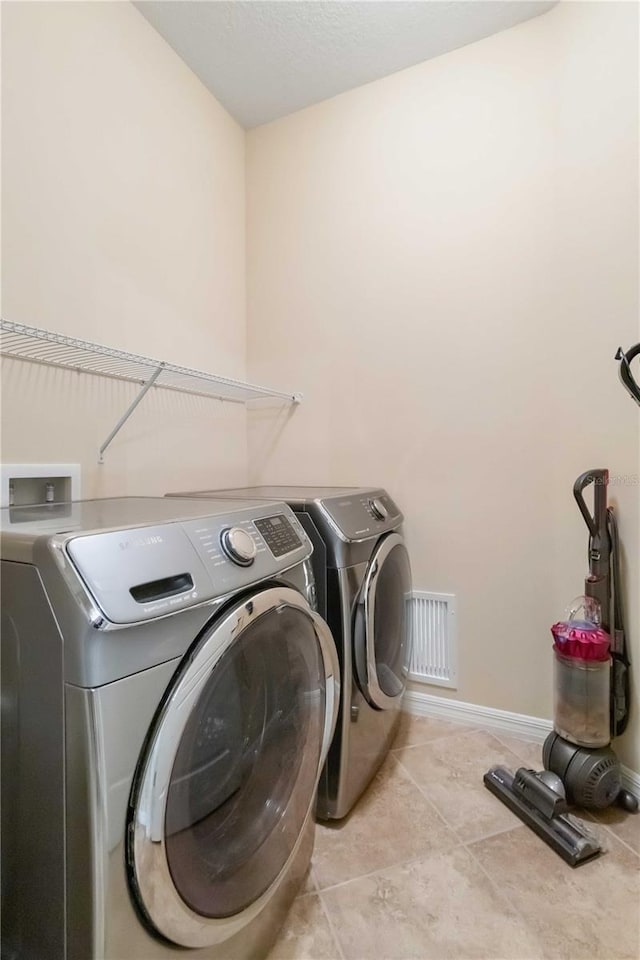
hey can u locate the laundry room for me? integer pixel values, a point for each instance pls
(357, 284)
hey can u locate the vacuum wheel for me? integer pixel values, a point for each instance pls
(592, 778)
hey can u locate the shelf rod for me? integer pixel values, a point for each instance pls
(125, 416)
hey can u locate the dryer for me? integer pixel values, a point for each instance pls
(168, 699)
(363, 581)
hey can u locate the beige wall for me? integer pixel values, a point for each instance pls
(123, 222)
(445, 262)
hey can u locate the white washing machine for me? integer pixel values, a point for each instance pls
(168, 699)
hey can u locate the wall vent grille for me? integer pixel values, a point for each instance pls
(432, 625)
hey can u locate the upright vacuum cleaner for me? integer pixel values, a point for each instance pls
(592, 688)
(591, 701)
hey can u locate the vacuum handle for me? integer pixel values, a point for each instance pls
(626, 375)
(597, 522)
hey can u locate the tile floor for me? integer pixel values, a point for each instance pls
(431, 865)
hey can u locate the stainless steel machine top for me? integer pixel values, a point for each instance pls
(356, 513)
(140, 558)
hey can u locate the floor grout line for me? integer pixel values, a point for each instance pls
(531, 743)
(334, 934)
(390, 866)
(427, 798)
(599, 823)
(501, 893)
(443, 736)
(485, 836)
(399, 863)
(446, 736)
(496, 833)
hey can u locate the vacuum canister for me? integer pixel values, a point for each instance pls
(582, 666)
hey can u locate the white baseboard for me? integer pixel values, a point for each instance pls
(489, 718)
(474, 715)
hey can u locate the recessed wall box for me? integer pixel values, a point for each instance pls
(22, 484)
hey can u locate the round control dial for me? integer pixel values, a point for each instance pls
(378, 509)
(238, 545)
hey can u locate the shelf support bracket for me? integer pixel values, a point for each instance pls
(125, 416)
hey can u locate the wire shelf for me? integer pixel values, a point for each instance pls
(23, 342)
(42, 346)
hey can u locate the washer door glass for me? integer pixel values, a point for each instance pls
(245, 750)
(382, 641)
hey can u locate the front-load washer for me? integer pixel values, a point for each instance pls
(363, 582)
(168, 698)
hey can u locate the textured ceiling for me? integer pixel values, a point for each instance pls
(263, 59)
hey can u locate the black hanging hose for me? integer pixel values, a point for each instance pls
(628, 379)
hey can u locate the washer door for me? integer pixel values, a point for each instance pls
(382, 647)
(231, 769)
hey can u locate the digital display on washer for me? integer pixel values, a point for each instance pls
(278, 534)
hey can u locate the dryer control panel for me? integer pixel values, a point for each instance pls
(140, 573)
(363, 514)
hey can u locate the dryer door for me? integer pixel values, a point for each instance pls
(382, 647)
(230, 772)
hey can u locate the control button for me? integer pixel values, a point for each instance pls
(278, 534)
(378, 509)
(238, 545)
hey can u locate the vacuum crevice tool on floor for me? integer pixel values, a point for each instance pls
(545, 811)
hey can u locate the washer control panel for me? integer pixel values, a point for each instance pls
(250, 549)
(278, 534)
(144, 572)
